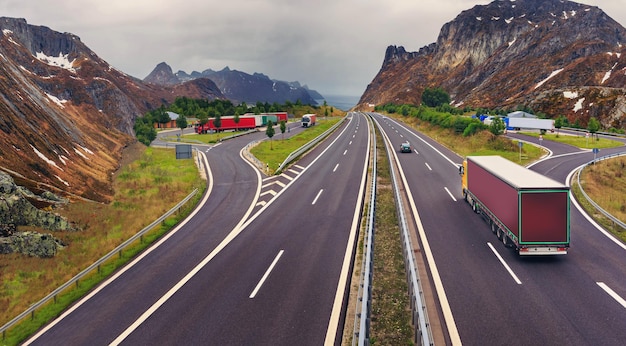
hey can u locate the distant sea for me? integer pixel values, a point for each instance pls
(342, 102)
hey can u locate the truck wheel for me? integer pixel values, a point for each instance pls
(505, 240)
(475, 207)
(493, 228)
(499, 233)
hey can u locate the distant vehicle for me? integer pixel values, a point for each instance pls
(405, 147)
(526, 210)
(530, 124)
(308, 120)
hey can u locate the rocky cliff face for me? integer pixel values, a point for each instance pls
(17, 209)
(238, 86)
(558, 57)
(66, 113)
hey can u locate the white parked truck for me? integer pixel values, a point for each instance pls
(530, 124)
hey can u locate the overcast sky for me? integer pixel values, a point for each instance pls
(334, 46)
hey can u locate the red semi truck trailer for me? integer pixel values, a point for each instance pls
(526, 210)
(228, 123)
(247, 121)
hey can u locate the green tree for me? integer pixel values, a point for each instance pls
(497, 126)
(162, 117)
(433, 97)
(236, 120)
(145, 132)
(558, 123)
(593, 126)
(181, 123)
(283, 128)
(217, 122)
(270, 132)
(203, 118)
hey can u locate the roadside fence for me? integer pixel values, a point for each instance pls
(363, 309)
(96, 266)
(615, 220)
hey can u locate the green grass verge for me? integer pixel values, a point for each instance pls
(602, 220)
(273, 152)
(579, 141)
(104, 227)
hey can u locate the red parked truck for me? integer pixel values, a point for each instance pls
(228, 123)
(526, 210)
(247, 121)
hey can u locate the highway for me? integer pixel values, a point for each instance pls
(265, 260)
(238, 271)
(496, 297)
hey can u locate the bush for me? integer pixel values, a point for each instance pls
(473, 128)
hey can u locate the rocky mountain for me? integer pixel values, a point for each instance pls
(557, 57)
(66, 113)
(239, 86)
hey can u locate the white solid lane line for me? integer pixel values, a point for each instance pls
(612, 293)
(504, 264)
(135, 261)
(267, 273)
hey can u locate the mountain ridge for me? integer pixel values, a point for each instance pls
(238, 86)
(67, 114)
(557, 57)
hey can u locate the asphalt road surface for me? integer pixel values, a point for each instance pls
(495, 296)
(234, 272)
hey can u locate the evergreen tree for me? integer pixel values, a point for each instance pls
(236, 120)
(270, 132)
(433, 97)
(217, 122)
(558, 123)
(181, 123)
(497, 126)
(593, 126)
(162, 117)
(283, 128)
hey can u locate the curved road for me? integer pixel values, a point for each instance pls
(234, 272)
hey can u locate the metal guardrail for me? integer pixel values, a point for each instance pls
(246, 152)
(96, 265)
(610, 134)
(308, 146)
(594, 204)
(423, 333)
(361, 331)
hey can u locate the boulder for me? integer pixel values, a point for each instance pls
(31, 243)
(16, 209)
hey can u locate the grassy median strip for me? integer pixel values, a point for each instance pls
(273, 152)
(145, 189)
(391, 315)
